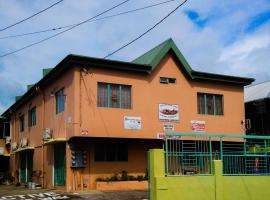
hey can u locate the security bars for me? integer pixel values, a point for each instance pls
(192, 154)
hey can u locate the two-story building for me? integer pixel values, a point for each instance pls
(90, 118)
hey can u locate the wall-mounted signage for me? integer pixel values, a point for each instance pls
(198, 126)
(132, 123)
(168, 112)
(168, 127)
(162, 136)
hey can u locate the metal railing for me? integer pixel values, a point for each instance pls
(193, 154)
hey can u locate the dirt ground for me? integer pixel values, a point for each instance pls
(22, 193)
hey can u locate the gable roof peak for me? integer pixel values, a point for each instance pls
(154, 55)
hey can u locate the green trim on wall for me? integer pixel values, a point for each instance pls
(205, 104)
(109, 95)
(120, 96)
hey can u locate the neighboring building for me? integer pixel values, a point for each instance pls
(257, 108)
(113, 112)
(4, 145)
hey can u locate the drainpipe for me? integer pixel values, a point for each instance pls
(43, 122)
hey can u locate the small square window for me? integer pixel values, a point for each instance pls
(166, 80)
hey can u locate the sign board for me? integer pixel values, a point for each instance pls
(168, 112)
(132, 123)
(168, 127)
(198, 126)
(1, 151)
(162, 136)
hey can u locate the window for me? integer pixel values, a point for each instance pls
(32, 117)
(6, 129)
(60, 101)
(210, 104)
(166, 80)
(21, 123)
(114, 95)
(111, 152)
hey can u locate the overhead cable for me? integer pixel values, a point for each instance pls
(147, 31)
(102, 18)
(27, 18)
(53, 36)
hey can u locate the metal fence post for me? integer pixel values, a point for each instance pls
(166, 157)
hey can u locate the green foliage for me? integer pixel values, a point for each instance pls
(123, 176)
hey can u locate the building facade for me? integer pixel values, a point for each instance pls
(90, 118)
(257, 108)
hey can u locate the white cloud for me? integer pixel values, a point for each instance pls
(221, 47)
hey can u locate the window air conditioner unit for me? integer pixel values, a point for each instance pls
(8, 140)
(14, 146)
(23, 142)
(47, 134)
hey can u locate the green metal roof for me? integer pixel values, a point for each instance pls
(155, 55)
(144, 64)
(46, 71)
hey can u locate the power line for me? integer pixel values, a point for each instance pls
(147, 31)
(76, 25)
(67, 26)
(2, 29)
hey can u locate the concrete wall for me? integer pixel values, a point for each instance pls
(213, 187)
(136, 164)
(147, 94)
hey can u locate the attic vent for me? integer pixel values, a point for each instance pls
(166, 80)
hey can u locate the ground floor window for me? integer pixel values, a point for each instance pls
(111, 152)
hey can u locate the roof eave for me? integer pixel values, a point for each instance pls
(243, 81)
(72, 60)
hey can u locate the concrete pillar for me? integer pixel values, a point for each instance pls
(218, 173)
(157, 169)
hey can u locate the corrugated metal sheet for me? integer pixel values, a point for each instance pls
(256, 92)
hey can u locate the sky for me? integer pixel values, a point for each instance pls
(216, 36)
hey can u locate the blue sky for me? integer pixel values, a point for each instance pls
(228, 37)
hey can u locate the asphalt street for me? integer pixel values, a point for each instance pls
(22, 193)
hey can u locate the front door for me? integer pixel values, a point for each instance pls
(60, 164)
(26, 166)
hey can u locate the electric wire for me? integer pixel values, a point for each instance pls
(27, 18)
(59, 33)
(102, 18)
(147, 31)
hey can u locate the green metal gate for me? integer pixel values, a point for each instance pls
(26, 166)
(60, 164)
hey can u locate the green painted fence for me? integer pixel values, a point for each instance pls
(193, 154)
(215, 186)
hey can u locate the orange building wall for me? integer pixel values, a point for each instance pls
(81, 113)
(147, 93)
(46, 118)
(136, 165)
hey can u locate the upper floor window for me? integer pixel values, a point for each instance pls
(166, 80)
(60, 101)
(32, 117)
(21, 122)
(4, 129)
(114, 95)
(111, 152)
(210, 104)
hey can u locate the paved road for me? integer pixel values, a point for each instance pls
(21, 193)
